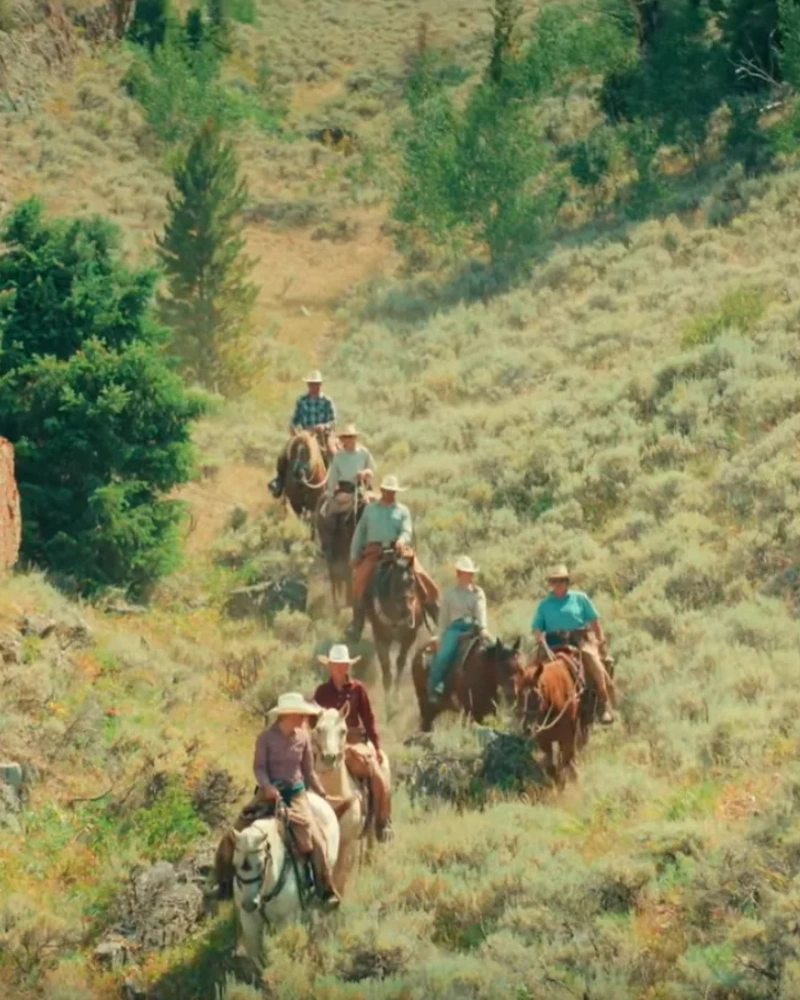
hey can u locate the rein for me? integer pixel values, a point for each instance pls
(289, 863)
(575, 699)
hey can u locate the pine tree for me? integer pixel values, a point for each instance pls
(99, 419)
(202, 250)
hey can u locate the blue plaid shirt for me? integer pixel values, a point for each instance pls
(313, 410)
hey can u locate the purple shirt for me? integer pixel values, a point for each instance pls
(285, 759)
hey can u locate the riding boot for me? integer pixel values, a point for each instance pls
(276, 487)
(384, 831)
(606, 715)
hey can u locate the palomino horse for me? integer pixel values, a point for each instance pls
(305, 473)
(473, 687)
(266, 889)
(395, 612)
(356, 825)
(549, 700)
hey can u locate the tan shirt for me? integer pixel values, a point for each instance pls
(463, 602)
(346, 465)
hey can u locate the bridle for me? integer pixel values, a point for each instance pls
(391, 564)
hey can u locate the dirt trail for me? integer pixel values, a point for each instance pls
(301, 282)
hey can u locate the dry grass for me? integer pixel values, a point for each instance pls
(623, 412)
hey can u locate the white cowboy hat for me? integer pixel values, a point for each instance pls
(392, 485)
(339, 654)
(465, 565)
(558, 573)
(315, 376)
(349, 430)
(293, 703)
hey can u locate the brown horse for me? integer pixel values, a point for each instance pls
(395, 611)
(549, 699)
(473, 687)
(335, 534)
(306, 473)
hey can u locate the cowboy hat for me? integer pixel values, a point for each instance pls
(339, 653)
(558, 573)
(392, 485)
(293, 703)
(349, 430)
(315, 376)
(465, 565)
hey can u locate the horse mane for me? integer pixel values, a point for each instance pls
(556, 687)
(315, 459)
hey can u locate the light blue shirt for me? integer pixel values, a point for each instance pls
(383, 525)
(564, 614)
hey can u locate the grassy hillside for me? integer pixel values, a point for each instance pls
(632, 409)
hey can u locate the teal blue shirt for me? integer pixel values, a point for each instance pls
(564, 614)
(382, 524)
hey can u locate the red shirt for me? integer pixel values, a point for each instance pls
(354, 692)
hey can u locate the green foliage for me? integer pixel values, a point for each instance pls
(738, 312)
(179, 88)
(151, 21)
(164, 829)
(202, 249)
(7, 16)
(100, 422)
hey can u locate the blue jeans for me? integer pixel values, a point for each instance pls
(444, 659)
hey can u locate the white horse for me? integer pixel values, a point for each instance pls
(265, 886)
(329, 738)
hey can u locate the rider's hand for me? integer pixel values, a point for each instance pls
(271, 794)
(381, 758)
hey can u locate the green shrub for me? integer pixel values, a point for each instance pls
(99, 420)
(738, 312)
(166, 827)
(151, 20)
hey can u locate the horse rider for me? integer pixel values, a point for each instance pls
(463, 611)
(352, 467)
(315, 412)
(565, 610)
(363, 755)
(283, 764)
(384, 524)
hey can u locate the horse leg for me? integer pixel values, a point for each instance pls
(252, 928)
(385, 658)
(405, 645)
(549, 762)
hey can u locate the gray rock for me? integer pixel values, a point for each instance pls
(11, 648)
(131, 991)
(11, 773)
(111, 954)
(125, 608)
(10, 808)
(38, 626)
(75, 635)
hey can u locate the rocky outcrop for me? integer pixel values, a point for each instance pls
(10, 518)
(36, 42)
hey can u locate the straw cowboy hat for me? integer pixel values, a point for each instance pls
(349, 430)
(293, 704)
(339, 654)
(392, 485)
(558, 573)
(315, 376)
(465, 565)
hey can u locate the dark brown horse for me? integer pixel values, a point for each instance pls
(549, 699)
(335, 533)
(475, 685)
(394, 609)
(305, 474)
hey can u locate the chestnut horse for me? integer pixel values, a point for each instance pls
(548, 697)
(306, 473)
(474, 686)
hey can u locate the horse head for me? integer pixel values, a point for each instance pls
(252, 862)
(330, 738)
(299, 456)
(396, 588)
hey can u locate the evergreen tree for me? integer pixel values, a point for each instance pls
(202, 250)
(99, 420)
(150, 23)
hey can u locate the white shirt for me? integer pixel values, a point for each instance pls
(462, 602)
